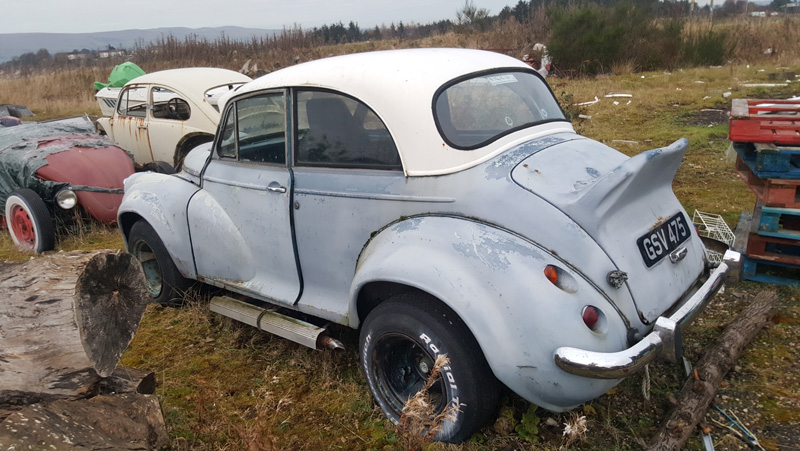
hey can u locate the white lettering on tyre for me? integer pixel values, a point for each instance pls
(446, 371)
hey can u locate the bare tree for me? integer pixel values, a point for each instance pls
(472, 18)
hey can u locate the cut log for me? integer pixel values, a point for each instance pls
(65, 320)
(699, 391)
(123, 422)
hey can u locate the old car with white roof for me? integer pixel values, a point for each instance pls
(163, 115)
(439, 201)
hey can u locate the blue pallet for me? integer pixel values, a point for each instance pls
(753, 269)
(779, 222)
(768, 161)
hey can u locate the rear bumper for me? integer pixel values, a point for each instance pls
(664, 341)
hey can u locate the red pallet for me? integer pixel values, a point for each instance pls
(772, 249)
(771, 192)
(747, 125)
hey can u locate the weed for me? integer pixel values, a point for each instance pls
(574, 429)
(528, 427)
(419, 422)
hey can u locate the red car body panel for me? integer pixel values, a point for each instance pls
(102, 167)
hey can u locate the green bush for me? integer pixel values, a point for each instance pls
(706, 49)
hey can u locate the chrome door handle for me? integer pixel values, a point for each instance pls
(275, 187)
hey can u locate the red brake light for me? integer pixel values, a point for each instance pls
(590, 317)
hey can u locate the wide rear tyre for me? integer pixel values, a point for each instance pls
(165, 283)
(400, 340)
(29, 221)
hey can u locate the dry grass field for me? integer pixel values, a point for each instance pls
(226, 386)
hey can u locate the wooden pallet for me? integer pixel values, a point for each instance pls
(777, 222)
(769, 161)
(771, 192)
(771, 249)
(770, 272)
(750, 124)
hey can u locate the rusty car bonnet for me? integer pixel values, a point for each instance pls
(22, 155)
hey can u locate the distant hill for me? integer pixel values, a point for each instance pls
(15, 44)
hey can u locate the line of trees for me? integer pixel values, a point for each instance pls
(583, 36)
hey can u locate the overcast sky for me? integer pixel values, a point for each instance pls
(84, 16)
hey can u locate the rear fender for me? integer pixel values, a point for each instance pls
(494, 280)
(161, 200)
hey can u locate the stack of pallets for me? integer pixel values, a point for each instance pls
(766, 137)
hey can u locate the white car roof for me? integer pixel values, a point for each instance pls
(192, 82)
(399, 85)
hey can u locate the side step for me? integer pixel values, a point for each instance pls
(284, 326)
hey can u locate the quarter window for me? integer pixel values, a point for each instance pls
(336, 130)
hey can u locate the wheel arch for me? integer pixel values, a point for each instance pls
(494, 282)
(144, 200)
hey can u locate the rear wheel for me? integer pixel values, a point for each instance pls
(165, 283)
(400, 341)
(29, 221)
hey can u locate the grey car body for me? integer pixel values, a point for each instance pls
(476, 234)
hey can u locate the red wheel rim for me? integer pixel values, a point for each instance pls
(22, 227)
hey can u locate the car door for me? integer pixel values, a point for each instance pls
(130, 123)
(240, 221)
(169, 113)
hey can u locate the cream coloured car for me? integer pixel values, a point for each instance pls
(163, 115)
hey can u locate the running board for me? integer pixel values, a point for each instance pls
(284, 326)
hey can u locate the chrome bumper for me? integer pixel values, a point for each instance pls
(664, 341)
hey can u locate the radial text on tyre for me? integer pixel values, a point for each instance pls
(400, 341)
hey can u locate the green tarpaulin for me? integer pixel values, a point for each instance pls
(121, 74)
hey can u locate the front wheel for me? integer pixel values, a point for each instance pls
(165, 283)
(29, 221)
(400, 341)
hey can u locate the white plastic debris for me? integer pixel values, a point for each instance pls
(591, 102)
(618, 95)
(726, 94)
(765, 85)
(713, 226)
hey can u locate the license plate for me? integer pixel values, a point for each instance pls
(661, 241)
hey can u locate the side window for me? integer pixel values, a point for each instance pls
(168, 104)
(133, 102)
(336, 130)
(261, 126)
(255, 130)
(227, 145)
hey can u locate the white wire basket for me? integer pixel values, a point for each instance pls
(713, 226)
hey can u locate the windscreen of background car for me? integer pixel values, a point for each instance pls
(474, 112)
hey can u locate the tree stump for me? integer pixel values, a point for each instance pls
(65, 320)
